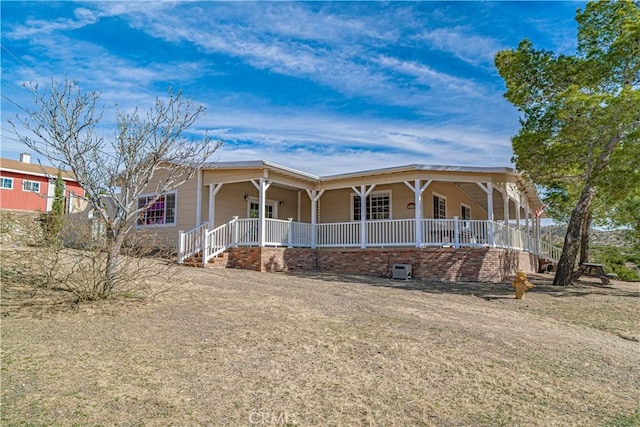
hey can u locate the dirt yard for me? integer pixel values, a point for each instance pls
(235, 348)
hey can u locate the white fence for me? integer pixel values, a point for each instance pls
(383, 233)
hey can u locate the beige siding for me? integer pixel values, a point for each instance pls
(305, 207)
(335, 206)
(230, 201)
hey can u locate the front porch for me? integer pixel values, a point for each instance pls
(432, 246)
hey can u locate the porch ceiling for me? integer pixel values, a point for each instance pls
(476, 194)
(465, 178)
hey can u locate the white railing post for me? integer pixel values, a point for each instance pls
(456, 232)
(181, 247)
(234, 226)
(314, 235)
(290, 237)
(203, 235)
(205, 249)
(490, 233)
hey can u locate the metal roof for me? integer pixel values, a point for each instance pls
(17, 166)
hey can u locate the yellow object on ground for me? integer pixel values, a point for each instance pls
(521, 284)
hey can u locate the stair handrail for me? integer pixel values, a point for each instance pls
(190, 241)
(219, 240)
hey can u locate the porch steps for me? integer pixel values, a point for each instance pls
(218, 261)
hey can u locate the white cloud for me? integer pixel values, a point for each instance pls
(289, 39)
(461, 42)
(328, 144)
(428, 76)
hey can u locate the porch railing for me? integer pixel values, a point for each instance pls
(383, 233)
(338, 234)
(397, 232)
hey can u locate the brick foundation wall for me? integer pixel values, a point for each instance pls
(438, 264)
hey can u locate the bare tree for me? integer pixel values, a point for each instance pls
(115, 171)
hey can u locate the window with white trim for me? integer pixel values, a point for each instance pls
(439, 207)
(32, 186)
(160, 212)
(6, 183)
(465, 212)
(377, 206)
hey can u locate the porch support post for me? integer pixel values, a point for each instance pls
(363, 193)
(199, 198)
(262, 187)
(314, 196)
(505, 209)
(418, 190)
(518, 218)
(488, 189)
(213, 190)
(538, 233)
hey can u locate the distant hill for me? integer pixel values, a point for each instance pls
(618, 238)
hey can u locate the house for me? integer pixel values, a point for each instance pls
(447, 222)
(26, 186)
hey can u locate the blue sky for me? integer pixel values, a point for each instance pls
(324, 87)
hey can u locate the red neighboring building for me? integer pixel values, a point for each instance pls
(26, 186)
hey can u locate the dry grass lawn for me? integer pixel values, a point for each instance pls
(234, 348)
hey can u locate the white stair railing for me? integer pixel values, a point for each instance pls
(549, 251)
(219, 240)
(190, 242)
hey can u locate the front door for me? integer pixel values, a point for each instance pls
(253, 209)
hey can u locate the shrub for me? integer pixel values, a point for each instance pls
(615, 261)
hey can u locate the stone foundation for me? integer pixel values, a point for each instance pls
(437, 264)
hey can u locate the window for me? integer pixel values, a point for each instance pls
(32, 186)
(161, 212)
(439, 207)
(465, 213)
(378, 206)
(6, 183)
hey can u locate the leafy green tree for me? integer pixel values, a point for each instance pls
(57, 207)
(55, 216)
(580, 113)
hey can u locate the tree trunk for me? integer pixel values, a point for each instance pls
(572, 238)
(586, 234)
(111, 270)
